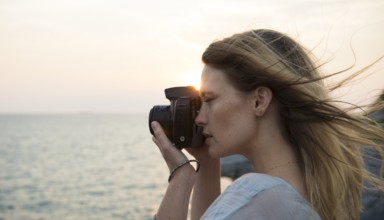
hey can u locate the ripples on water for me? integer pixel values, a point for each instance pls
(79, 167)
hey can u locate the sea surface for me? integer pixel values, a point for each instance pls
(79, 166)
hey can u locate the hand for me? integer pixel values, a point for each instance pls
(172, 156)
(200, 153)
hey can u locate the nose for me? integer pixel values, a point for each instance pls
(201, 118)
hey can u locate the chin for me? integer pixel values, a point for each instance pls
(215, 152)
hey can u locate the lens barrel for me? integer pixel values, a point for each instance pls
(163, 115)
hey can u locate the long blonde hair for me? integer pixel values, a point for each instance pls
(327, 139)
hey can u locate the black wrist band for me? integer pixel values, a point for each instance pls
(182, 164)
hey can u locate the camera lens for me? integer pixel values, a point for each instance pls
(163, 115)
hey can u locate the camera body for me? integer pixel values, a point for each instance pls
(178, 118)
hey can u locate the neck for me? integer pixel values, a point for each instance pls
(291, 163)
(276, 157)
(271, 153)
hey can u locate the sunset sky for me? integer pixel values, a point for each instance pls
(117, 56)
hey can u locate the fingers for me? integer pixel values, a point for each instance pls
(171, 154)
(159, 138)
(162, 141)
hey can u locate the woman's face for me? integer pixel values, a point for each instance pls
(226, 115)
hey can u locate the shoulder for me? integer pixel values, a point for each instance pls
(257, 196)
(253, 183)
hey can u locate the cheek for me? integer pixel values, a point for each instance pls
(222, 116)
(233, 132)
(230, 122)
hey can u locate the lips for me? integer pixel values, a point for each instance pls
(207, 138)
(206, 135)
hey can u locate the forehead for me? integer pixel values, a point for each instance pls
(213, 79)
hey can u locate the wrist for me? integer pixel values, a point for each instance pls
(185, 176)
(186, 165)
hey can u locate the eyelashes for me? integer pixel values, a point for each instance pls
(206, 99)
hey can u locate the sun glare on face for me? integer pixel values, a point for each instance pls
(192, 79)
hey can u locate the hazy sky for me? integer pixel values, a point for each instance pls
(103, 56)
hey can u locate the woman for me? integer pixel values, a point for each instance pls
(264, 98)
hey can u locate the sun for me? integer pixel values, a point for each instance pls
(192, 79)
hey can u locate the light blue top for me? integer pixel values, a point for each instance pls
(260, 196)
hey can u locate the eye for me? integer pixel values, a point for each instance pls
(207, 96)
(207, 99)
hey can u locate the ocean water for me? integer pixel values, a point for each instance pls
(79, 167)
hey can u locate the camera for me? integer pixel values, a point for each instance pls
(178, 118)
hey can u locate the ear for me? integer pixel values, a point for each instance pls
(262, 100)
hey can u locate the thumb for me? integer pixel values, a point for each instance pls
(160, 138)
